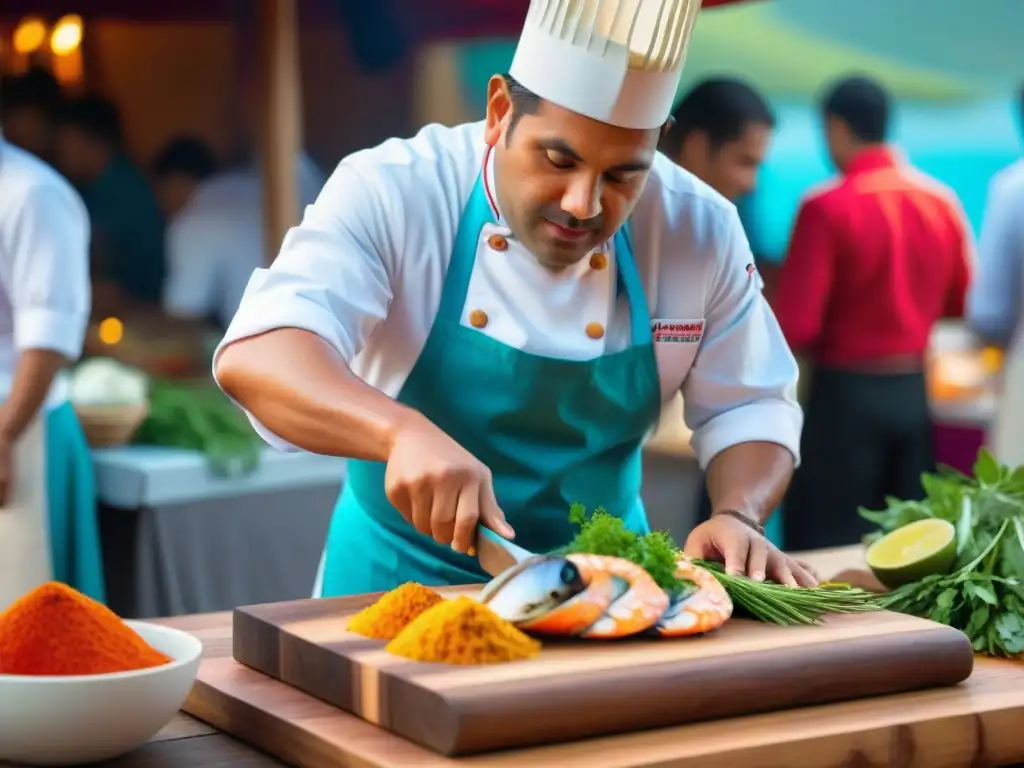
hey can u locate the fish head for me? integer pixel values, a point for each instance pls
(533, 587)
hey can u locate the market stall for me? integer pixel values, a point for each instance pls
(181, 532)
(172, 482)
(908, 653)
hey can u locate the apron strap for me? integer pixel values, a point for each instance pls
(476, 215)
(629, 277)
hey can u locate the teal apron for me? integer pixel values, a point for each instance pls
(552, 431)
(71, 501)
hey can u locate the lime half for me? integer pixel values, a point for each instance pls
(910, 553)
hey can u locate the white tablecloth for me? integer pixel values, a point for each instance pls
(136, 476)
(178, 539)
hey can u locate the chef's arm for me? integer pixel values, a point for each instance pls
(299, 388)
(750, 478)
(33, 376)
(48, 280)
(286, 355)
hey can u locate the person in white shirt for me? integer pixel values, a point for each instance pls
(48, 526)
(178, 170)
(995, 305)
(486, 319)
(216, 241)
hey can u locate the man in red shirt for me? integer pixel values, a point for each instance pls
(875, 259)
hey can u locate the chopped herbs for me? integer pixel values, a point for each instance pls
(605, 534)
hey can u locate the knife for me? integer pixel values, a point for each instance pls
(495, 553)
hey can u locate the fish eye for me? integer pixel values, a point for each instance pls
(570, 574)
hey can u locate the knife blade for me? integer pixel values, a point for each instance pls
(495, 553)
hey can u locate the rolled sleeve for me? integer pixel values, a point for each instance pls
(48, 275)
(41, 328)
(331, 276)
(742, 387)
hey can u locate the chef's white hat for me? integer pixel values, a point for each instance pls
(617, 61)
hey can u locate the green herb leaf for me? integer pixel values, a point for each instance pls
(987, 470)
(983, 593)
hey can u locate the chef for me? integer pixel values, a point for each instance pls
(487, 318)
(48, 527)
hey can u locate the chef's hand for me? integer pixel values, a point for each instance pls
(441, 488)
(745, 551)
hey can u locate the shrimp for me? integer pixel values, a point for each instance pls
(638, 602)
(578, 614)
(705, 607)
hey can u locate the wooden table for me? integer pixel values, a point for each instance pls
(980, 727)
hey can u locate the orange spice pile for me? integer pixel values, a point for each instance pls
(463, 631)
(392, 612)
(56, 630)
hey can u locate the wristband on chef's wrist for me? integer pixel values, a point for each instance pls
(735, 513)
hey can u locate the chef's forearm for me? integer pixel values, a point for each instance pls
(750, 478)
(32, 379)
(300, 388)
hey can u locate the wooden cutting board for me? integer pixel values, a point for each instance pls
(578, 689)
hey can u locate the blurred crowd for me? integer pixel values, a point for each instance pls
(179, 238)
(877, 256)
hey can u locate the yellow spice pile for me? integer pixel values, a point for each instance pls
(462, 631)
(393, 612)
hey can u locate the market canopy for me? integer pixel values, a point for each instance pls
(921, 49)
(931, 49)
(379, 31)
(419, 20)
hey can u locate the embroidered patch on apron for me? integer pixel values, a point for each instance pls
(677, 331)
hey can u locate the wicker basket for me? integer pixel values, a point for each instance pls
(108, 425)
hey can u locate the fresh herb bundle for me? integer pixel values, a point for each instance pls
(983, 596)
(779, 604)
(987, 607)
(605, 534)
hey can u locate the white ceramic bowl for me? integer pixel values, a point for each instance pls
(83, 719)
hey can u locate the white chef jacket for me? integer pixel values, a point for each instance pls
(45, 294)
(365, 269)
(217, 240)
